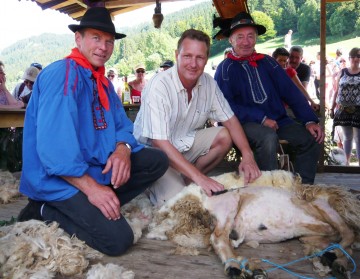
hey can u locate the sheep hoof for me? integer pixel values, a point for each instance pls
(339, 271)
(259, 274)
(328, 258)
(233, 273)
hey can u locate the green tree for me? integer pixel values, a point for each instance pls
(309, 19)
(263, 19)
(343, 20)
(289, 17)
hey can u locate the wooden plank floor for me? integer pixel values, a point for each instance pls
(156, 259)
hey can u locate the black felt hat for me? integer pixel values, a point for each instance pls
(97, 18)
(167, 63)
(243, 19)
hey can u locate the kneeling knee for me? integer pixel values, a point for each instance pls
(223, 139)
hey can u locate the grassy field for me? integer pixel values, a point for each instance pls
(311, 47)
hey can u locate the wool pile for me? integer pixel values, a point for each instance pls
(9, 187)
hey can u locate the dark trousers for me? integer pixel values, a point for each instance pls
(265, 141)
(77, 216)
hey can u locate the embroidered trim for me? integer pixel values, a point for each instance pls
(97, 108)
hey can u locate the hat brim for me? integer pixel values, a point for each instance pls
(260, 29)
(75, 27)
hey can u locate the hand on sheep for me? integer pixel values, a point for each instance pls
(209, 185)
(249, 169)
(120, 164)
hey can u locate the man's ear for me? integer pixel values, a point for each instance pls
(78, 38)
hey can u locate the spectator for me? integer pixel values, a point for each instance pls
(81, 160)
(281, 55)
(347, 103)
(137, 85)
(339, 57)
(287, 40)
(303, 70)
(22, 91)
(112, 75)
(167, 65)
(317, 75)
(6, 99)
(176, 105)
(256, 86)
(36, 65)
(7, 134)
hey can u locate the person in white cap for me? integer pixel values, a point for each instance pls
(22, 91)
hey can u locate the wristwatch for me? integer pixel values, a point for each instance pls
(126, 144)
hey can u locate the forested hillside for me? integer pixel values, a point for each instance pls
(148, 45)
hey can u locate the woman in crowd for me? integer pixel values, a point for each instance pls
(138, 84)
(281, 55)
(347, 103)
(6, 99)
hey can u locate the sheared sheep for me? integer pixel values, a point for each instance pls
(316, 214)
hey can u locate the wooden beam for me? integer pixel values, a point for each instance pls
(12, 118)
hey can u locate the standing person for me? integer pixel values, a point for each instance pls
(137, 85)
(303, 70)
(176, 105)
(36, 65)
(81, 161)
(347, 102)
(287, 39)
(317, 75)
(112, 75)
(6, 101)
(256, 86)
(22, 90)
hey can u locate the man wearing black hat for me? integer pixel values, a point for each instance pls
(80, 158)
(256, 86)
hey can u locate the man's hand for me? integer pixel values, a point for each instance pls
(209, 185)
(315, 106)
(101, 196)
(120, 163)
(105, 199)
(316, 131)
(249, 169)
(271, 124)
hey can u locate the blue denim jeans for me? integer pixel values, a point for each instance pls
(265, 141)
(78, 216)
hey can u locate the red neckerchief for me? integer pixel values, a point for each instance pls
(99, 75)
(251, 59)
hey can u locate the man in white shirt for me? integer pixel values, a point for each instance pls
(175, 107)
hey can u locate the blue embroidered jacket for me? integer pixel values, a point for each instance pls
(255, 93)
(68, 133)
